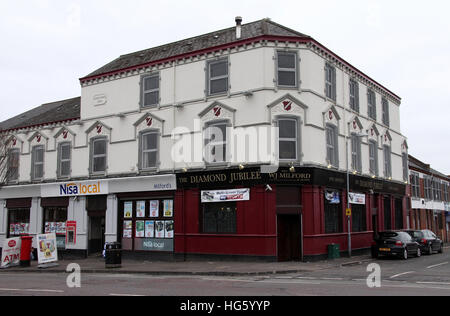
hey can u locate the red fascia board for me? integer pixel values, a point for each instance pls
(39, 125)
(236, 44)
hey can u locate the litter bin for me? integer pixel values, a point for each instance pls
(25, 250)
(333, 251)
(113, 255)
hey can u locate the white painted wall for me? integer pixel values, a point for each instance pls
(251, 69)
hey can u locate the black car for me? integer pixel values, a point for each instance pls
(427, 240)
(399, 244)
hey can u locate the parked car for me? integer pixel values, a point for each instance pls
(427, 240)
(399, 244)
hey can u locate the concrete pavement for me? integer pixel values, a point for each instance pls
(217, 268)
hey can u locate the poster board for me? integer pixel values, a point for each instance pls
(11, 252)
(47, 248)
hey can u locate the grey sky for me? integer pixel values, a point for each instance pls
(46, 45)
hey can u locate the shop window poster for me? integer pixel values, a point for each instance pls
(140, 209)
(168, 208)
(128, 210)
(154, 208)
(127, 229)
(140, 229)
(149, 229)
(168, 229)
(159, 229)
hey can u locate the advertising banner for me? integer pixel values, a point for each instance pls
(11, 252)
(225, 195)
(357, 198)
(47, 248)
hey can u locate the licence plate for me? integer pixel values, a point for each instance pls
(385, 249)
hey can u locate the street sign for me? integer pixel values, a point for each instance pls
(348, 212)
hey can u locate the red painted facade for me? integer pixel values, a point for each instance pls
(256, 223)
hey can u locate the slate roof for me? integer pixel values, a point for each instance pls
(198, 43)
(59, 111)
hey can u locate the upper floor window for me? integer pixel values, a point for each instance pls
(373, 157)
(149, 150)
(387, 161)
(217, 77)
(428, 187)
(287, 69)
(354, 95)
(332, 145)
(371, 104)
(216, 140)
(356, 153)
(405, 166)
(13, 165)
(385, 108)
(330, 82)
(437, 190)
(64, 160)
(415, 184)
(445, 192)
(98, 154)
(150, 90)
(37, 162)
(288, 139)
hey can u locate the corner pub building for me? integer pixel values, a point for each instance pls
(101, 167)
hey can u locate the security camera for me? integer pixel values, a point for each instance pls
(268, 188)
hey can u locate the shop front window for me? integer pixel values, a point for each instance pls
(333, 212)
(219, 218)
(55, 219)
(359, 223)
(148, 225)
(19, 222)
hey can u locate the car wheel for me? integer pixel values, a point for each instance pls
(374, 255)
(430, 250)
(441, 249)
(405, 254)
(419, 252)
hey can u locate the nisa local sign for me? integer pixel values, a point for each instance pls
(75, 189)
(79, 189)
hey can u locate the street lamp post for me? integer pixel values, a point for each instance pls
(349, 238)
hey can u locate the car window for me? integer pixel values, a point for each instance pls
(389, 235)
(405, 237)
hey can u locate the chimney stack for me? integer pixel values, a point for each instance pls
(238, 27)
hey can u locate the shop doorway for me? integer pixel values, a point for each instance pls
(96, 234)
(96, 208)
(289, 237)
(289, 224)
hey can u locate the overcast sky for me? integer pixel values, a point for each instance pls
(47, 45)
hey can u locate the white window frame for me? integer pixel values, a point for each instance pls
(35, 163)
(371, 104)
(152, 150)
(224, 143)
(387, 161)
(354, 95)
(61, 160)
(356, 153)
(373, 160)
(93, 157)
(209, 78)
(332, 144)
(330, 81)
(294, 70)
(12, 152)
(296, 139)
(385, 111)
(144, 92)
